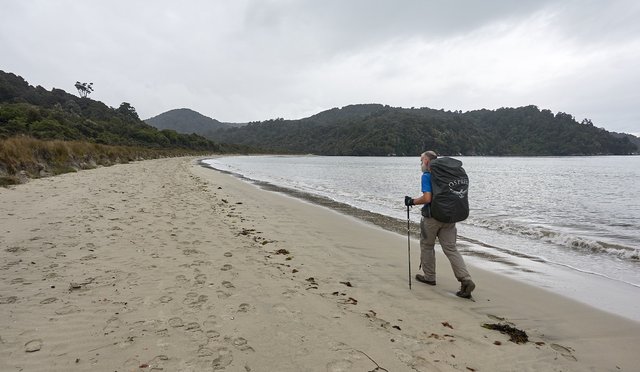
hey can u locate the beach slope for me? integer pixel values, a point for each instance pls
(164, 265)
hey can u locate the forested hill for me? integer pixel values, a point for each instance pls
(379, 130)
(58, 115)
(633, 139)
(188, 121)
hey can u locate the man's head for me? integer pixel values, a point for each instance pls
(425, 159)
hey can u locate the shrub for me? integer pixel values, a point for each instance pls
(35, 157)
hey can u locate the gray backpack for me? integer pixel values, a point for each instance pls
(449, 190)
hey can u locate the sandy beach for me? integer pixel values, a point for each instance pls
(164, 265)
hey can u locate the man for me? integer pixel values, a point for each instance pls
(430, 228)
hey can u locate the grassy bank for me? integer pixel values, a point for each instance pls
(24, 157)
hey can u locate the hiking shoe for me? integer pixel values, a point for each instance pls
(466, 288)
(423, 279)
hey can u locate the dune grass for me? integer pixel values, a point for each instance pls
(24, 157)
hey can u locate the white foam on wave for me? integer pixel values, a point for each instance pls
(566, 240)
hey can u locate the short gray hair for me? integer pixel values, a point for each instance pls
(430, 154)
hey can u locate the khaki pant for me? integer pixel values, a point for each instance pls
(430, 228)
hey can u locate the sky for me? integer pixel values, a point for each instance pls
(252, 60)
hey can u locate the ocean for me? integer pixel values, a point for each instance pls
(567, 224)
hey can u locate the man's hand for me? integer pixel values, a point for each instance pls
(408, 201)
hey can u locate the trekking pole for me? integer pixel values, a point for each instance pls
(409, 246)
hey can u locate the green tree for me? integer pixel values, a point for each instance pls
(128, 111)
(84, 89)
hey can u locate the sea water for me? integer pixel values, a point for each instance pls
(568, 224)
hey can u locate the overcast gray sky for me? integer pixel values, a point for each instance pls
(247, 60)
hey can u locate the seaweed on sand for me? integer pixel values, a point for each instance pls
(515, 335)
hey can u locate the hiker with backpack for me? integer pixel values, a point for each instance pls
(444, 188)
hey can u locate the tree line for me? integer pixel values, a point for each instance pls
(377, 130)
(58, 115)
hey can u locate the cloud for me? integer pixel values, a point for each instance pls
(258, 59)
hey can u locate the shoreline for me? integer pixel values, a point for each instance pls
(515, 265)
(166, 264)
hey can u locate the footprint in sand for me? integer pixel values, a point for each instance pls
(228, 254)
(162, 332)
(372, 316)
(211, 358)
(190, 251)
(210, 326)
(224, 357)
(176, 322)
(210, 323)
(227, 284)
(112, 324)
(88, 257)
(194, 299)
(158, 362)
(50, 276)
(33, 345)
(11, 263)
(244, 307)
(16, 250)
(205, 352)
(69, 309)
(564, 351)
(419, 363)
(284, 310)
(193, 327)
(182, 279)
(241, 344)
(165, 299)
(212, 333)
(127, 342)
(49, 300)
(226, 267)
(223, 294)
(200, 279)
(8, 300)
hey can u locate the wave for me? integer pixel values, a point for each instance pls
(382, 213)
(566, 240)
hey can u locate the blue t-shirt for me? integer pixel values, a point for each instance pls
(426, 182)
(426, 187)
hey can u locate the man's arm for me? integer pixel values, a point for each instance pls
(425, 198)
